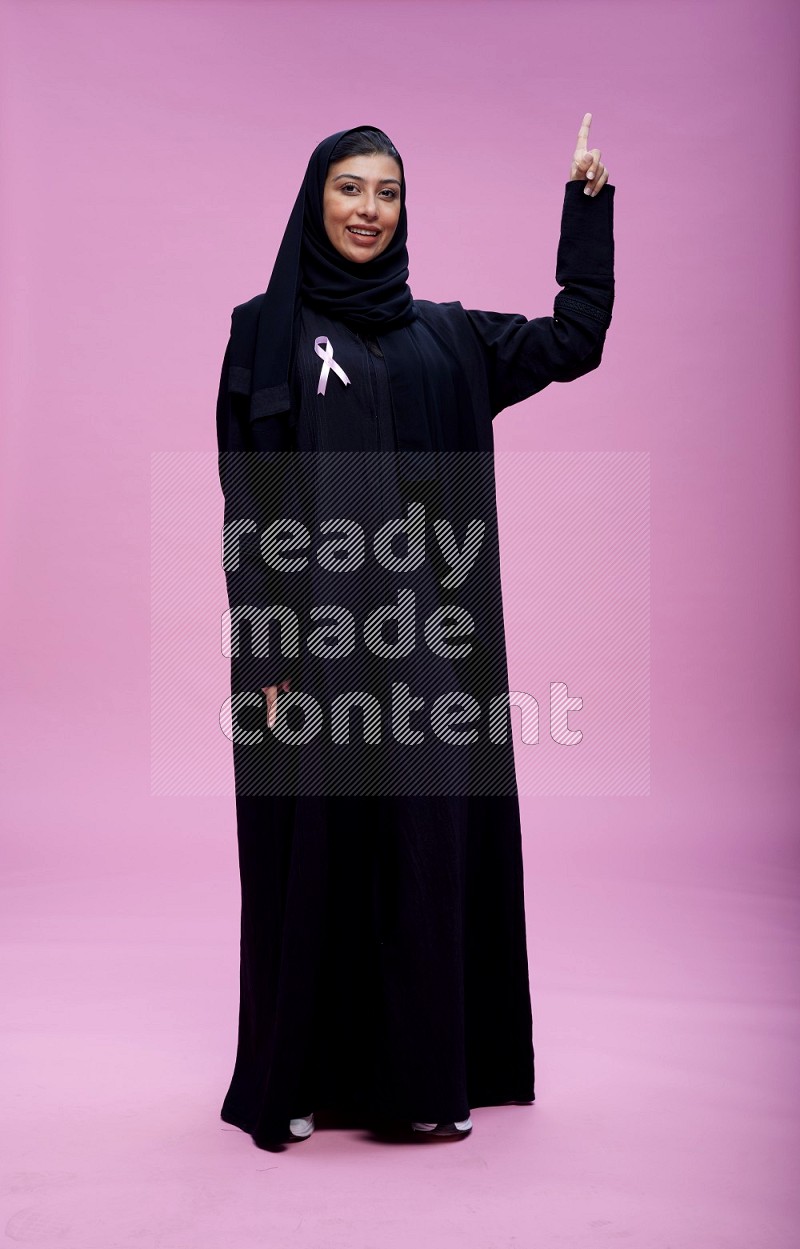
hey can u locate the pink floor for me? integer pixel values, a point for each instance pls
(665, 1025)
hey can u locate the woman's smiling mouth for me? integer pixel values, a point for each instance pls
(363, 234)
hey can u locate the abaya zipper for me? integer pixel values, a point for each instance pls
(373, 381)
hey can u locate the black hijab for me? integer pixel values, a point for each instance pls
(373, 297)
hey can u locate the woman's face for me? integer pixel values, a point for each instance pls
(362, 193)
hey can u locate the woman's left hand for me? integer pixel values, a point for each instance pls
(586, 164)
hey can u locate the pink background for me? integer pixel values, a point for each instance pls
(151, 156)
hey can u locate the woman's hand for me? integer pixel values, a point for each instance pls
(586, 164)
(271, 692)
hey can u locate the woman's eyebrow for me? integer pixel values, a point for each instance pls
(358, 177)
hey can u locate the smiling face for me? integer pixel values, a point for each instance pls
(361, 205)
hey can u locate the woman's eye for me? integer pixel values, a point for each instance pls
(351, 186)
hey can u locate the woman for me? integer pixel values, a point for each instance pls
(384, 967)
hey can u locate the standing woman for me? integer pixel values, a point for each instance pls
(383, 970)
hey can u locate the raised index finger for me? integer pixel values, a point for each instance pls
(583, 133)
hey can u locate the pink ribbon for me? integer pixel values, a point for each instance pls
(328, 363)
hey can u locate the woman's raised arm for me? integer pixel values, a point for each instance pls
(523, 356)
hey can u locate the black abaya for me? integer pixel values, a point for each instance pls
(384, 965)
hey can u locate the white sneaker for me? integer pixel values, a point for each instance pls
(301, 1128)
(461, 1127)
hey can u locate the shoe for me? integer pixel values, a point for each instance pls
(301, 1128)
(461, 1127)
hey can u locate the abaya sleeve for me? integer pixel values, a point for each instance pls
(522, 356)
(252, 485)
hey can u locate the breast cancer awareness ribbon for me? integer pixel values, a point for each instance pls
(328, 363)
